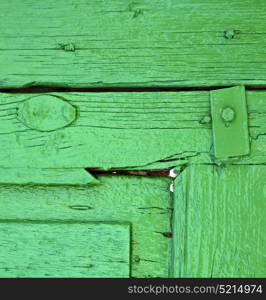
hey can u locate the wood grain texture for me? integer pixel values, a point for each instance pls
(124, 130)
(180, 43)
(219, 222)
(34, 249)
(140, 201)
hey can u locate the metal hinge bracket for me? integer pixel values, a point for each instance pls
(230, 122)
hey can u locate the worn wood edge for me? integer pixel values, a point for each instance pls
(46, 176)
(111, 261)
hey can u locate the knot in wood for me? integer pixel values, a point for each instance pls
(229, 34)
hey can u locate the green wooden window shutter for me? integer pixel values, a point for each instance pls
(132, 138)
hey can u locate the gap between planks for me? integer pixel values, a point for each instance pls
(149, 173)
(50, 89)
(169, 172)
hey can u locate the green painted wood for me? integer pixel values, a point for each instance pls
(142, 202)
(46, 176)
(230, 122)
(132, 43)
(219, 222)
(31, 249)
(141, 130)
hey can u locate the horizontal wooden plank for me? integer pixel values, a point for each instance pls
(219, 222)
(124, 130)
(33, 249)
(132, 43)
(141, 201)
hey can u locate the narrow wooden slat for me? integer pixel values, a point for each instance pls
(141, 201)
(219, 222)
(132, 43)
(123, 130)
(32, 249)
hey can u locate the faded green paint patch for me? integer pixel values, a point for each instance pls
(46, 113)
(219, 222)
(34, 249)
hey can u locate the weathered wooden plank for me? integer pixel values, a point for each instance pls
(219, 222)
(132, 43)
(123, 130)
(143, 202)
(34, 249)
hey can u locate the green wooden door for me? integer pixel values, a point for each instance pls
(132, 138)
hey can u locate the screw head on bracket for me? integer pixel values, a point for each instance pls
(228, 114)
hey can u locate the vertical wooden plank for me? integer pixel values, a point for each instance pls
(230, 122)
(219, 222)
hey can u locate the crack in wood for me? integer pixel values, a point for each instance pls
(49, 88)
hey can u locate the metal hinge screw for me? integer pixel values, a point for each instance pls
(228, 114)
